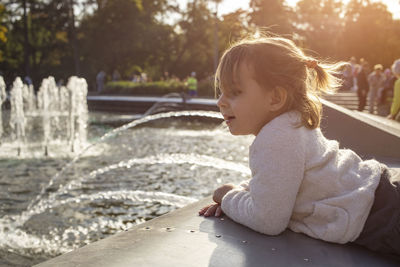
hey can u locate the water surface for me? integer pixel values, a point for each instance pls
(131, 177)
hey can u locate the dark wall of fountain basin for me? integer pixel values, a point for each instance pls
(140, 104)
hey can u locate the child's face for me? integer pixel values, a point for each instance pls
(248, 109)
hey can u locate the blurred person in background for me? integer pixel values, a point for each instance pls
(100, 79)
(116, 76)
(192, 84)
(395, 108)
(387, 87)
(362, 84)
(376, 82)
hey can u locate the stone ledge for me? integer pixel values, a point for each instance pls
(182, 238)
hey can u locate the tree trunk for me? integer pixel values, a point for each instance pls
(72, 29)
(26, 40)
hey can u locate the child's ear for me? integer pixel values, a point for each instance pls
(278, 98)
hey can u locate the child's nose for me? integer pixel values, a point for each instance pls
(221, 101)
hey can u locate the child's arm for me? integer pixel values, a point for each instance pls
(277, 161)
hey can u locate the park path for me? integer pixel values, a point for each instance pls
(346, 99)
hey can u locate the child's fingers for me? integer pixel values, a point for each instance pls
(203, 210)
(218, 212)
(211, 210)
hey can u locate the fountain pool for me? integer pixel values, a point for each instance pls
(49, 206)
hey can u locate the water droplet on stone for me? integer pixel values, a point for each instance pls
(244, 241)
(218, 236)
(273, 249)
(305, 259)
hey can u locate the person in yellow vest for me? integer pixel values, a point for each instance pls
(192, 85)
(395, 108)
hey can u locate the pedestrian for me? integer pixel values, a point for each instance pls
(395, 108)
(116, 76)
(362, 85)
(192, 84)
(100, 79)
(376, 81)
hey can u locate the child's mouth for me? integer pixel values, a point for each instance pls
(229, 119)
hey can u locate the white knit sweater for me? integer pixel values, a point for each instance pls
(305, 182)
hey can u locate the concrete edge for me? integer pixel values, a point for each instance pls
(380, 124)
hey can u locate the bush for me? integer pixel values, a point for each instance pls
(205, 88)
(159, 88)
(150, 88)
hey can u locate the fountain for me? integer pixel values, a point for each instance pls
(53, 122)
(3, 98)
(119, 178)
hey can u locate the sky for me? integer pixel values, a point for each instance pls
(228, 6)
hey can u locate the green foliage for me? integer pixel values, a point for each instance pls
(195, 46)
(370, 33)
(132, 36)
(3, 31)
(47, 47)
(231, 29)
(159, 88)
(125, 36)
(274, 15)
(319, 23)
(206, 88)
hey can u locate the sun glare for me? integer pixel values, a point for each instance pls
(227, 6)
(393, 6)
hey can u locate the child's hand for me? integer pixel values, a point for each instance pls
(210, 210)
(220, 192)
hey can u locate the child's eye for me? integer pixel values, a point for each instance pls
(237, 92)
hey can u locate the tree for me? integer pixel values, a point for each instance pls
(39, 44)
(233, 27)
(3, 31)
(126, 35)
(275, 15)
(195, 49)
(72, 35)
(370, 32)
(319, 23)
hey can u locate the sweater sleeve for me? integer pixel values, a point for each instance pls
(396, 99)
(277, 163)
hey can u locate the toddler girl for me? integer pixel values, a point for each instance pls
(300, 180)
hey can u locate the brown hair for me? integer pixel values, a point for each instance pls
(278, 62)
